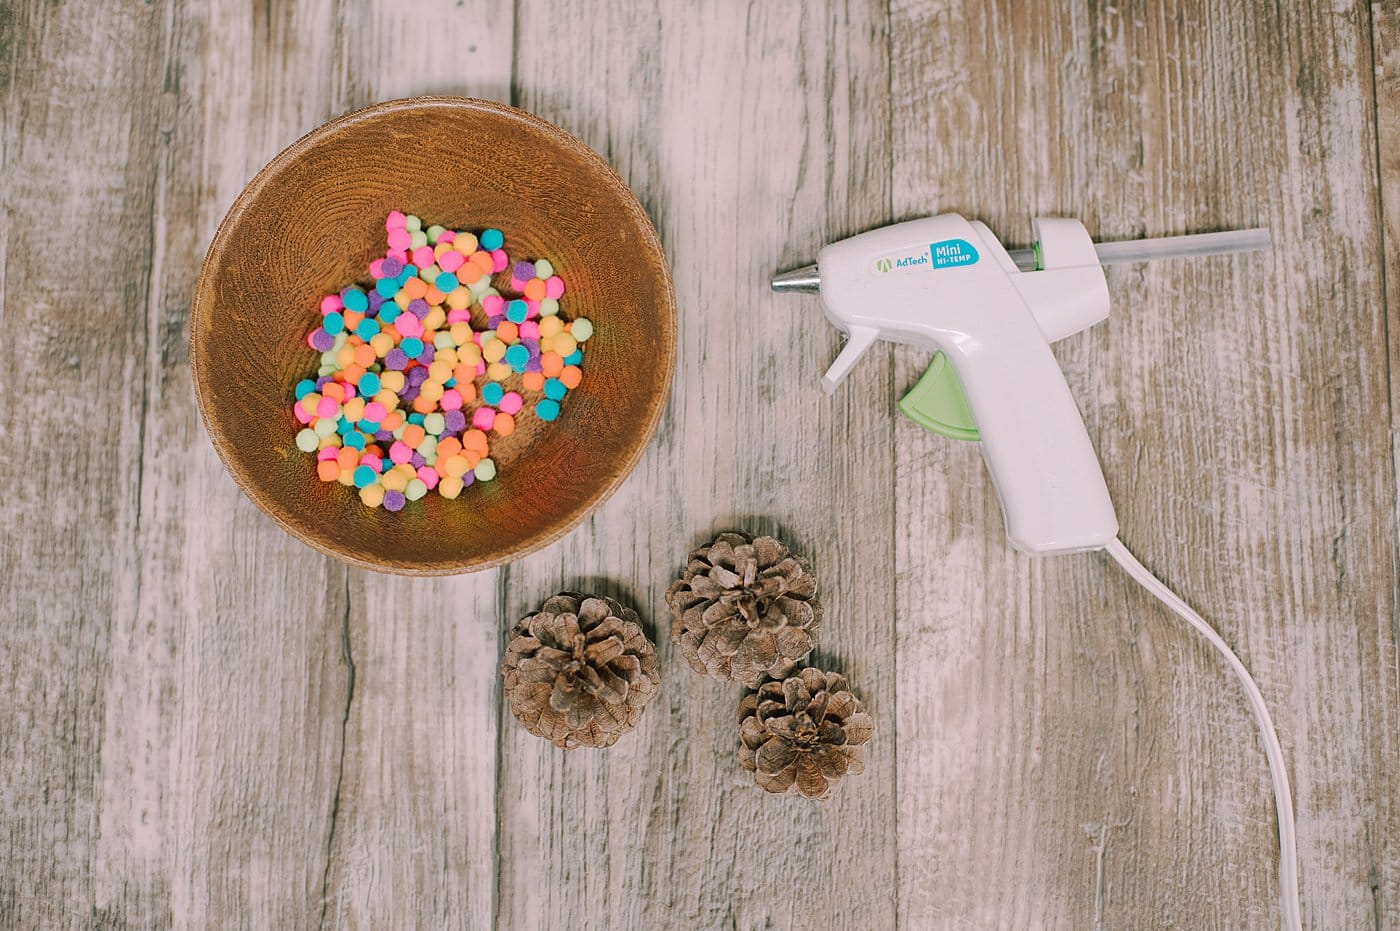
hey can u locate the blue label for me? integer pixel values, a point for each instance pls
(951, 253)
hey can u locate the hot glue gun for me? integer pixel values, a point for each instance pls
(990, 315)
(947, 283)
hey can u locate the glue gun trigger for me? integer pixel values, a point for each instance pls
(858, 339)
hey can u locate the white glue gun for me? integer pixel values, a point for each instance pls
(991, 315)
(947, 283)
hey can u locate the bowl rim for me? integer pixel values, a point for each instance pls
(214, 256)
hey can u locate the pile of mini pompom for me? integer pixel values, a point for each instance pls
(395, 410)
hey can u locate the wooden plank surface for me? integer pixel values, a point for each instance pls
(415, 835)
(166, 646)
(1385, 32)
(664, 830)
(55, 780)
(207, 724)
(1078, 758)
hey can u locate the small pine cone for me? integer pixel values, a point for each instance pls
(802, 734)
(580, 671)
(745, 609)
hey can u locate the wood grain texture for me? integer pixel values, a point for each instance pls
(414, 837)
(178, 646)
(1385, 37)
(53, 744)
(256, 654)
(664, 830)
(207, 724)
(1078, 758)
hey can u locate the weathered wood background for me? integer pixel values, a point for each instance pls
(205, 724)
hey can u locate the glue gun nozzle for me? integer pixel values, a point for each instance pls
(799, 279)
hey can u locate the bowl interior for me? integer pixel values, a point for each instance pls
(309, 224)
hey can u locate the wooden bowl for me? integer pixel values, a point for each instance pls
(310, 223)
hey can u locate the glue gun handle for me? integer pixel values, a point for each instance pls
(1042, 463)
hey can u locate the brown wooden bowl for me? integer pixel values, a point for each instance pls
(309, 224)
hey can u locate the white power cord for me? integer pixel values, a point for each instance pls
(1283, 797)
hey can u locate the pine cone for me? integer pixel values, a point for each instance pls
(744, 609)
(801, 735)
(580, 671)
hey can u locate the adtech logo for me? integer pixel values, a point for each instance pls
(950, 253)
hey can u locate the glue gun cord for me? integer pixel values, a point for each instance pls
(1283, 798)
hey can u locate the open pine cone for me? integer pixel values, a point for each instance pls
(580, 671)
(802, 734)
(744, 609)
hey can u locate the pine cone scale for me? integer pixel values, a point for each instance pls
(777, 783)
(775, 755)
(833, 763)
(810, 781)
(787, 611)
(784, 726)
(595, 610)
(859, 727)
(715, 614)
(603, 652)
(725, 578)
(792, 641)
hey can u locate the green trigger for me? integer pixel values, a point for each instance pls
(937, 402)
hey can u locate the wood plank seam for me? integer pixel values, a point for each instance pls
(1384, 246)
(1384, 29)
(349, 657)
(504, 625)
